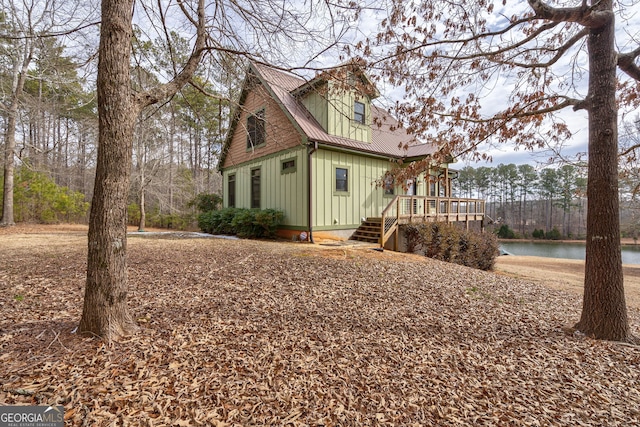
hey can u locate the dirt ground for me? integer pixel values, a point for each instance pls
(554, 273)
(564, 274)
(253, 332)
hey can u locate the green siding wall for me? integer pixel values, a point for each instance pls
(333, 109)
(344, 210)
(340, 116)
(283, 191)
(317, 105)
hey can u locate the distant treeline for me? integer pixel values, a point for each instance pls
(545, 203)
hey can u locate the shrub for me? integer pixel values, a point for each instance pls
(412, 234)
(218, 222)
(267, 221)
(537, 234)
(553, 234)
(204, 202)
(505, 232)
(449, 243)
(243, 222)
(205, 221)
(37, 198)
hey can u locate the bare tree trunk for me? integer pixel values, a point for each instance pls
(19, 78)
(604, 311)
(143, 214)
(105, 311)
(171, 138)
(142, 168)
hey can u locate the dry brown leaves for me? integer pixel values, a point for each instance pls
(273, 333)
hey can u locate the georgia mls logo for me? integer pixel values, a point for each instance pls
(31, 416)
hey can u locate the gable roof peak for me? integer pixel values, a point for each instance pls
(388, 138)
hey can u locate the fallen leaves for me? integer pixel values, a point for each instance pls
(238, 333)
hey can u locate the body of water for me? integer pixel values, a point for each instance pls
(630, 254)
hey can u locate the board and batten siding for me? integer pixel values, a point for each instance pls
(340, 120)
(317, 105)
(334, 110)
(335, 210)
(285, 191)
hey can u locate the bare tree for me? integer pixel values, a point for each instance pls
(105, 311)
(20, 51)
(246, 29)
(450, 56)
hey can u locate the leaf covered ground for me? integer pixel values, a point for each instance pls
(240, 333)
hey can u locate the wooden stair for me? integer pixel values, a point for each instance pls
(369, 231)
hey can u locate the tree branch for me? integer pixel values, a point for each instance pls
(560, 51)
(48, 35)
(209, 94)
(589, 16)
(629, 150)
(626, 62)
(522, 111)
(164, 91)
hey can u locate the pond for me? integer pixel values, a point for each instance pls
(630, 254)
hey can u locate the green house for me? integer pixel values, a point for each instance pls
(314, 149)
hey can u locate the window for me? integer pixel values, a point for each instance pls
(256, 130)
(288, 166)
(255, 188)
(342, 179)
(358, 112)
(388, 186)
(231, 191)
(432, 189)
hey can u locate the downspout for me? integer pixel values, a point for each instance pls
(311, 148)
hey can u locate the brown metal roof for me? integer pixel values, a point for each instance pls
(387, 138)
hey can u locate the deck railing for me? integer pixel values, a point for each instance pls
(406, 209)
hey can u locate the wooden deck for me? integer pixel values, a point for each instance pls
(409, 209)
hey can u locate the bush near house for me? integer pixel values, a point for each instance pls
(449, 243)
(242, 222)
(205, 202)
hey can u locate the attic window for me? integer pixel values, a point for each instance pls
(288, 166)
(358, 112)
(256, 131)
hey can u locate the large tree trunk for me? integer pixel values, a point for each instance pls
(105, 310)
(604, 312)
(105, 313)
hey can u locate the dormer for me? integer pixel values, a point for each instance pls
(340, 100)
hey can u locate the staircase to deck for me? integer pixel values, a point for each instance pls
(369, 231)
(405, 209)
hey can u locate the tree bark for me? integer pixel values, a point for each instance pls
(604, 311)
(105, 311)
